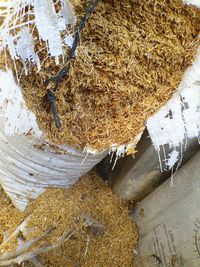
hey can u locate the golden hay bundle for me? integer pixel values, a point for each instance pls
(61, 208)
(130, 60)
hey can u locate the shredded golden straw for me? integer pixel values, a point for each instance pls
(61, 209)
(130, 60)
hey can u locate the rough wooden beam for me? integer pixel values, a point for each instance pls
(134, 178)
(169, 221)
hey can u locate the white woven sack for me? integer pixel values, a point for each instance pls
(28, 164)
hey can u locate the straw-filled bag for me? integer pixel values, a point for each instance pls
(112, 64)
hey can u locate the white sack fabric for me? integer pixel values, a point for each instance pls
(49, 23)
(179, 119)
(28, 164)
(27, 167)
(192, 2)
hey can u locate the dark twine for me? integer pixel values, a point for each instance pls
(53, 83)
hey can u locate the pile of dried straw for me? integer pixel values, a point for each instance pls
(130, 60)
(59, 208)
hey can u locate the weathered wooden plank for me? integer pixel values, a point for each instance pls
(134, 178)
(169, 221)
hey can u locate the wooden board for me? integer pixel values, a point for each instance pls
(169, 221)
(135, 178)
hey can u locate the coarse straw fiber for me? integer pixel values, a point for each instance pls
(61, 208)
(130, 60)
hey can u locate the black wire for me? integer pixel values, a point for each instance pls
(52, 102)
(53, 83)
